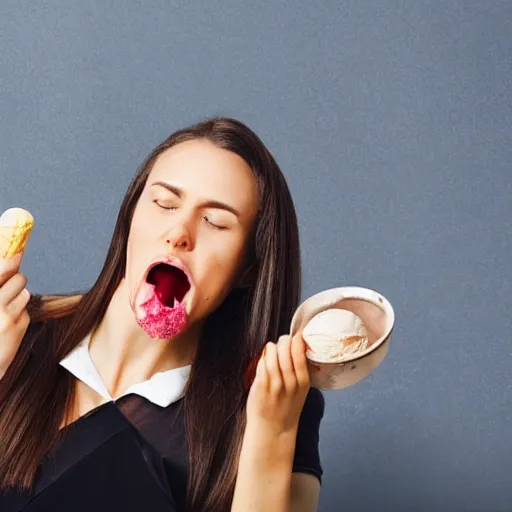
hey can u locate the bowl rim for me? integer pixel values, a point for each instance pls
(361, 293)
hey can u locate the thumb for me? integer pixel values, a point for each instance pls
(9, 267)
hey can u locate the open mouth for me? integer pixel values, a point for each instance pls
(171, 284)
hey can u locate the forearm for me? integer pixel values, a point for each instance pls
(264, 471)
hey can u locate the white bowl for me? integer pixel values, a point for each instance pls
(378, 317)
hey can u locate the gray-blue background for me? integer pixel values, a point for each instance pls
(392, 122)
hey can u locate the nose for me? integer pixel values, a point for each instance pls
(179, 238)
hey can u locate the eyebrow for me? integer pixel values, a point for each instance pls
(208, 204)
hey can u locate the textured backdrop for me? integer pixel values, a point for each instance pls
(392, 122)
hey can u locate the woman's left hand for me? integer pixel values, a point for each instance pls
(276, 398)
(280, 387)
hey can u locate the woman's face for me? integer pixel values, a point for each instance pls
(198, 207)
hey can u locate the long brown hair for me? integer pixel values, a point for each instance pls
(36, 391)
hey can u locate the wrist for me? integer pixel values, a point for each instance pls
(264, 469)
(268, 440)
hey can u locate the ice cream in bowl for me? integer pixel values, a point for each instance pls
(347, 332)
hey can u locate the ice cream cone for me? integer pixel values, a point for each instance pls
(16, 225)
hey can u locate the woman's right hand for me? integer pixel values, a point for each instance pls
(14, 318)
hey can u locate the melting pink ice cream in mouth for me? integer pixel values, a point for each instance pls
(160, 311)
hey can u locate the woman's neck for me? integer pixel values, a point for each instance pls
(124, 354)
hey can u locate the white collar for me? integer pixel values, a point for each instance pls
(162, 388)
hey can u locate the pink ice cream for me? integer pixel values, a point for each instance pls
(160, 311)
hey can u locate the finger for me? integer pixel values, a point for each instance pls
(286, 363)
(9, 267)
(12, 288)
(300, 365)
(261, 372)
(18, 305)
(250, 372)
(9, 325)
(6, 322)
(273, 370)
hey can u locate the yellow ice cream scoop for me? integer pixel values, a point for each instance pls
(15, 227)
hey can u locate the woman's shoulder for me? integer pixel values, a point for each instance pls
(315, 403)
(39, 331)
(307, 452)
(311, 415)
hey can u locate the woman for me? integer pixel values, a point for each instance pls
(170, 384)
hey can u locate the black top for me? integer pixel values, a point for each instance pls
(131, 456)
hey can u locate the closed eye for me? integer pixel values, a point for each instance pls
(206, 218)
(215, 226)
(164, 207)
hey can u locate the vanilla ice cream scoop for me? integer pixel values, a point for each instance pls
(335, 335)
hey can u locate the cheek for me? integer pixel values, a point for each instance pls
(138, 227)
(129, 259)
(142, 226)
(221, 271)
(136, 240)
